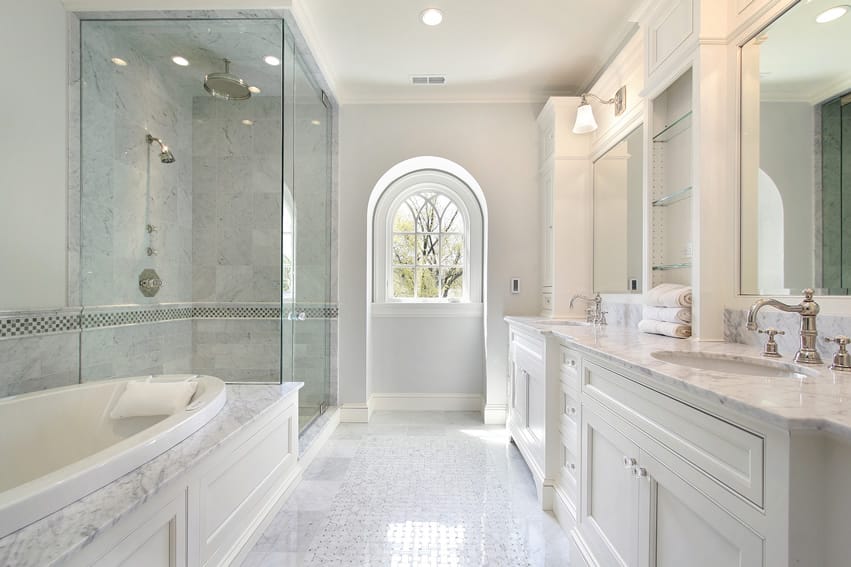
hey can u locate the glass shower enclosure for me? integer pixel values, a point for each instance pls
(205, 204)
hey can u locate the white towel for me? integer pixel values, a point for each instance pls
(670, 314)
(669, 295)
(676, 330)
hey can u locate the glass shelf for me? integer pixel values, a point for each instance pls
(672, 198)
(675, 128)
(666, 267)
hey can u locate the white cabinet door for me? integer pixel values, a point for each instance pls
(681, 526)
(609, 508)
(546, 195)
(537, 408)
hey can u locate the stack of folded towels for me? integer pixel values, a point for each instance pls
(667, 311)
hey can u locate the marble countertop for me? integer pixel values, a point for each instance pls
(821, 402)
(52, 540)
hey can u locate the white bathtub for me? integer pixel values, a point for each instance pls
(58, 445)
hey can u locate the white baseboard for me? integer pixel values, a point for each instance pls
(354, 413)
(495, 414)
(425, 402)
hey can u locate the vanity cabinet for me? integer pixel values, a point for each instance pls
(665, 483)
(564, 181)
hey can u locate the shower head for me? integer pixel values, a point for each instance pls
(165, 154)
(226, 86)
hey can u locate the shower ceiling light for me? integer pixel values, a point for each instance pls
(272, 60)
(431, 16)
(315, 122)
(254, 90)
(119, 61)
(182, 61)
(248, 122)
(832, 14)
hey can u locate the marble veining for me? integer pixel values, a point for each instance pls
(54, 539)
(820, 402)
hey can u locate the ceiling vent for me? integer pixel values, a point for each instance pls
(428, 80)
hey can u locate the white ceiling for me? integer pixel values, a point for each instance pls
(801, 60)
(489, 50)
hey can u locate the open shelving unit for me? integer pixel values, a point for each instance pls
(671, 184)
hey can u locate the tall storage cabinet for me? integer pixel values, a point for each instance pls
(564, 181)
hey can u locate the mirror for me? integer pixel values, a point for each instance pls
(618, 216)
(796, 154)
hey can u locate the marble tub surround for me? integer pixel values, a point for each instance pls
(815, 402)
(736, 331)
(54, 539)
(32, 363)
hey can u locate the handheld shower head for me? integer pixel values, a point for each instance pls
(165, 154)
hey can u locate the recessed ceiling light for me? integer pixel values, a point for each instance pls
(315, 122)
(119, 61)
(431, 16)
(254, 90)
(272, 60)
(248, 122)
(182, 61)
(832, 14)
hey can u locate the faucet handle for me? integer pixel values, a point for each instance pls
(842, 359)
(771, 346)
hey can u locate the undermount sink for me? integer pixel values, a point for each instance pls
(563, 322)
(733, 364)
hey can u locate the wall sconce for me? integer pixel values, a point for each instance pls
(585, 115)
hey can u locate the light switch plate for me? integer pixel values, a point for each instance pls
(515, 286)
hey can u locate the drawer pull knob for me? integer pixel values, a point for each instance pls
(571, 466)
(571, 411)
(570, 362)
(629, 462)
(639, 472)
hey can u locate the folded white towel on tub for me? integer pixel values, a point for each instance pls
(676, 330)
(670, 314)
(142, 399)
(669, 295)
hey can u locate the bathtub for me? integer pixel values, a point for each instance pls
(58, 445)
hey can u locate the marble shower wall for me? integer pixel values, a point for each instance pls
(237, 224)
(125, 186)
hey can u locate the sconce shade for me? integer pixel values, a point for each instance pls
(584, 120)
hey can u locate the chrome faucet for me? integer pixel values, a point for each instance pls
(807, 309)
(594, 313)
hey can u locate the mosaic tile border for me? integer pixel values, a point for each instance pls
(19, 324)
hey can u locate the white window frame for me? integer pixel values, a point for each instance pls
(394, 196)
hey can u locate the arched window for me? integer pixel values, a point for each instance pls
(428, 258)
(428, 241)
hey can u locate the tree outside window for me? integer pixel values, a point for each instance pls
(428, 248)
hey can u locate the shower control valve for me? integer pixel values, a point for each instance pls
(149, 282)
(151, 251)
(150, 228)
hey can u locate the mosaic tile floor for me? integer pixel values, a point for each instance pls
(414, 489)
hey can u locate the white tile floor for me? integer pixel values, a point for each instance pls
(414, 489)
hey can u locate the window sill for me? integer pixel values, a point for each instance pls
(402, 309)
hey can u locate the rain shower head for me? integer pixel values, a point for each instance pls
(226, 86)
(165, 154)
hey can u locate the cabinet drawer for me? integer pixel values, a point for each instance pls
(569, 473)
(569, 363)
(727, 453)
(569, 421)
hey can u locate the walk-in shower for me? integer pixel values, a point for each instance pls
(236, 230)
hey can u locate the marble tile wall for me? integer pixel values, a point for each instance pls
(32, 363)
(136, 350)
(237, 350)
(622, 314)
(124, 185)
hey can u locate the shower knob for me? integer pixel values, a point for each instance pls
(151, 252)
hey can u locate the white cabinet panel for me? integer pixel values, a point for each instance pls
(668, 30)
(609, 511)
(684, 527)
(728, 453)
